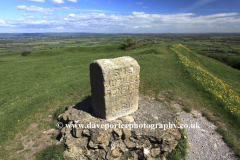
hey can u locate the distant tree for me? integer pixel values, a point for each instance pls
(127, 43)
(25, 53)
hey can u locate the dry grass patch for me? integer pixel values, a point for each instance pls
(35, 138)
(32, 143)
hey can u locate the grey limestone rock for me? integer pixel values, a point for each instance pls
(126, 133)
(117, 133)
(155, 152)
(129, 144)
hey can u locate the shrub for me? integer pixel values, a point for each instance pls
(130, 44)
(25, 53)
(127, 43)
(136, 45)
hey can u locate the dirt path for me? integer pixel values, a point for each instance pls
(204, 143)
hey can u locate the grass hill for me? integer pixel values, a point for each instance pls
(34, 86)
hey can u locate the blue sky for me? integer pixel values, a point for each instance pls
(120, 16)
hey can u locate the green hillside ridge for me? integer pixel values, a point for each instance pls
(207, 74)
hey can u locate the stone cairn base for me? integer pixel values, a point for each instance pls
(119, 143)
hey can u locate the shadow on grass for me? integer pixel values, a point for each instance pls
(85, 105)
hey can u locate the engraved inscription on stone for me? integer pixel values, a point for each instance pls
(114, 85)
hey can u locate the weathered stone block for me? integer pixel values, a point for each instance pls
(114, 84)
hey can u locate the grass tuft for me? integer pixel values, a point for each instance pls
(126, 155)
(186, 109)
(208, 117)
(180, 151)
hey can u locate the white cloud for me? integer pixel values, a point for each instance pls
(47, 11)
(21, 7)
(60, 27)
(75, 1)
(48, 18)
(221, 15)
(141, 17)
(71, 15)
(30, 17)
(37, 0)
(54, 1)
(2, 22)
(147, 26)
(34, 9)
(144, 7)
(20, 19)
(136, 22)
(95, 2)
(48, 14)
(57, 1)
(64, 8)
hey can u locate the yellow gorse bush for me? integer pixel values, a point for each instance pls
(210, 82)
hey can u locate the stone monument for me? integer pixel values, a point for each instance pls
(111, 124)
(114, 84)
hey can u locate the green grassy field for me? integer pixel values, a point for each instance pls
(34, 86)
